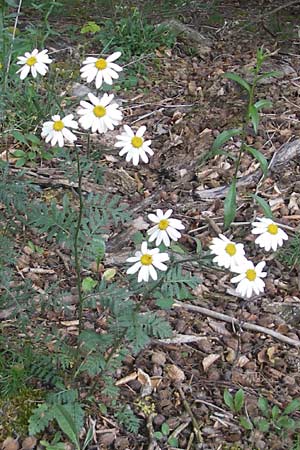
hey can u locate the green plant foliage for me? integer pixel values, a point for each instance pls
(177, 284)
(234, 402)
(128, 419)
(290, 254)
(40, 419)
(136, 38)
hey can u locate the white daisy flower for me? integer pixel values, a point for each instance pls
(270, 235)
(145, 261)
(250, 279)
(134, 145)
(57, 130)
(101, 69)
(228, 254)
(165, 227)
(34, 62)
(99, 115)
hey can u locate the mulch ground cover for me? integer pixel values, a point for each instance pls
(185, 102)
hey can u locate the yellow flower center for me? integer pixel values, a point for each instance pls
(101, 64)
(251, 274)
(58, 125)
(230, 249)
(137, 141)
(99, 111)
(272, 228)
(163, 224)
(146, 259)
(31, 61)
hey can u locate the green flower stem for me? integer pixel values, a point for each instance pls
(76, 252)
(245, 123)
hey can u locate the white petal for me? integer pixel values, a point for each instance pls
(141, 131)
(143, 274)
(113, 56)
(153, 218)
(115, 67)
(175, 223)
(133, 269)
(237, 278)
(93, 99)
(152, 272)
(174, 234)
(161, 257)
(99, 79)
(69, 135)
(166, 239)
(24, 72)
(33, 71)
(160, 266)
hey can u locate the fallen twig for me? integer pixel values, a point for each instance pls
(187, 407)
(286, 153)
(233, 321)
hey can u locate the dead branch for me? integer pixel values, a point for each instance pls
(246, 325)
(286, 153)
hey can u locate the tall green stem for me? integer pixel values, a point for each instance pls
(76, 244)
(245, 123)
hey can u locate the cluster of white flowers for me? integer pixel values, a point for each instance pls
(102, 114)
(232, 256)
(97, 114)
(146, 260)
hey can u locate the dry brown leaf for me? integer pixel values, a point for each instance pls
(131, 377)
(242, 361)
(248, 378)
(261, 356)
(29, 443)
(231, 355)
(10, 444)
(294, 202)
(271, 352)
(219, 328)
(146, 383)
(158, 358)
(209, 360)
(174, 373)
